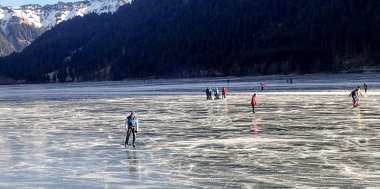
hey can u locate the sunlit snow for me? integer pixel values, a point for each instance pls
(43, 17)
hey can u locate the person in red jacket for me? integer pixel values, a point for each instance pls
(262, 86)
(224, 92)
(253, 102)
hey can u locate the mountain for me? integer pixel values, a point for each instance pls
(21, 25)
(197, 38)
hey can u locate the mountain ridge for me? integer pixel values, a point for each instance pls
(19, 26)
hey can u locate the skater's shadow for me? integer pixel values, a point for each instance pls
(226, 109)
(133, 165)
(358, 117)
(255, 128)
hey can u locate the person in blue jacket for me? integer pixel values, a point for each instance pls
(131, 126)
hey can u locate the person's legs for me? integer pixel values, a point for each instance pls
(253, 108)
(357, 101)
(354, 101)
(134, 136)
(127, 139)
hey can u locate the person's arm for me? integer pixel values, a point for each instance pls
(137, 125)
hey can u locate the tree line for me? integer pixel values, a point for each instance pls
(196, 38)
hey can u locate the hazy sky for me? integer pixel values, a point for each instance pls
(25, 2)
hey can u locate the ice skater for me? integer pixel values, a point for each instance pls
(355, 96)
(209, 93)
(132, 127)
(253, 102)
(262, 86)
(365, 86)
(358, 93)
(224, 92)
(217, 95)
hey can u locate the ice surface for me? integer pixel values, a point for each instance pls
(303, 135)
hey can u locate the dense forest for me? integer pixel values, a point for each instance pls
(196, 38)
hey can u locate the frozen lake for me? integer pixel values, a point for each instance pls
(303, 135)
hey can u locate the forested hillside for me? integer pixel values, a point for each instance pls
(195, 38)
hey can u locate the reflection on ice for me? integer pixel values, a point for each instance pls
(295, 139)
(255, 128)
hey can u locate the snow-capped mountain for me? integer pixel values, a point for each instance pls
(19, 26)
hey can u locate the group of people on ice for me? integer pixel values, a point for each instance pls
(356, 94)
(209, 92)
(131, 122)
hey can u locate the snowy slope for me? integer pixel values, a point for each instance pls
(49, 15)
(19, 26)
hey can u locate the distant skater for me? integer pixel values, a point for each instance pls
(253, 102)
(365, 86)
(217, 95)
(224, 92)
(355, 96)
(358, 94)
(262, 86)
(131, 126)
(207, 93)
(228, 81)
(210, 92)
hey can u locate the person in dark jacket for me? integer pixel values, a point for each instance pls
(365, 86)
(355, 96)
(207, 95)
